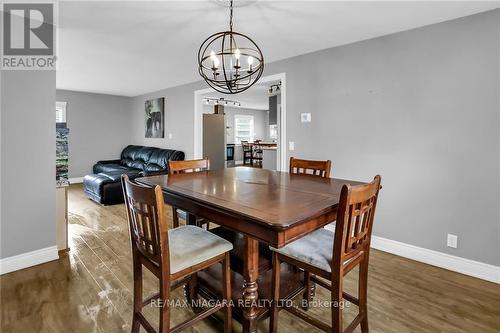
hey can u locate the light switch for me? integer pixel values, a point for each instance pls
(305, 117)
(170, 135)
(291, 145)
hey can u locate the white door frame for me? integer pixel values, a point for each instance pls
(198, 114)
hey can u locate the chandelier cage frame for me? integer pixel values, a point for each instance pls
(230, 82)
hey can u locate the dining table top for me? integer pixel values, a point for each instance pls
(276, 200)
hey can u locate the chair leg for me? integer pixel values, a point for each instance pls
(273, 322)
(310, 290)
(137, 266)
(165, 308)
(337, 326)
(226, 293)
(191, 290)
(363, 294)
(175, 217)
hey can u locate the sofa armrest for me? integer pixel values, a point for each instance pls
(109, 162)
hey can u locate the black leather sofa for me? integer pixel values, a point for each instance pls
(104, 185)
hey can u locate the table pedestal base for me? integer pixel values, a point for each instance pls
(209, 287)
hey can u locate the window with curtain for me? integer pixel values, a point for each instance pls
(243, 128)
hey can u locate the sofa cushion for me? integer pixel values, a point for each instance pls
(158, 160)
(110, 167)
(136, 156)
(115, 176)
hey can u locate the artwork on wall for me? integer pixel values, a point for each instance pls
(155, 118)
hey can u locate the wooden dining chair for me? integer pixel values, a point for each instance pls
(331, 255)
(247, 152)
(173, 256)
(318, 169)
(179, 167)
(310, 167)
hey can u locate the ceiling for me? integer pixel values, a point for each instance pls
(130, 48)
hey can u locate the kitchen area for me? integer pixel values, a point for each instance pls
(243, 130)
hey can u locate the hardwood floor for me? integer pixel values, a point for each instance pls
(89, 289)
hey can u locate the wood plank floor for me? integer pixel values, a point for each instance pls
(89, 289)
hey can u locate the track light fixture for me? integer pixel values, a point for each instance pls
(221, 101)
(275, 88)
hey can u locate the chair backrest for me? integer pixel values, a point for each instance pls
(313, 168)
(246, 146)
(178, 167)
(353, 229)
(147, 221)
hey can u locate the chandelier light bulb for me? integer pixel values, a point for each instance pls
(250, 60)
(237, 53)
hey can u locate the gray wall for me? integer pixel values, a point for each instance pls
(422, 109)
(419, 107)
(28, 161)
(99, 128)
(179, 117)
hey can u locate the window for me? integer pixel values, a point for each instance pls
(243, 128)
(61, 112)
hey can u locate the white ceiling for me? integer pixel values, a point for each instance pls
(134, 47)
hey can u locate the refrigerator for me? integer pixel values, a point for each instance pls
(214, 140)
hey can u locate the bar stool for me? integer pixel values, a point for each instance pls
(331, 255)
(312, 168)
(173, 256)
(247, 152)
(309, 167)
(258, 153)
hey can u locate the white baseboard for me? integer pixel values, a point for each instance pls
(28, 259)
(453, 263)
(76, 180)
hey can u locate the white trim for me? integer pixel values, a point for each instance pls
(76, 180)
(198, 128)
(28, 259)
(453, 263)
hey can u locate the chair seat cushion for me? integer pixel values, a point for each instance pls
(315, 249)
(190, 245)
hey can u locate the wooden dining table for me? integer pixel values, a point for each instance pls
(254, 208)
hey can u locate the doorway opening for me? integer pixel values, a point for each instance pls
(243, 129)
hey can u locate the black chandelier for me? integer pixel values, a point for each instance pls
(229, 61)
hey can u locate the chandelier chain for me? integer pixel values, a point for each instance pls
(231, 15)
